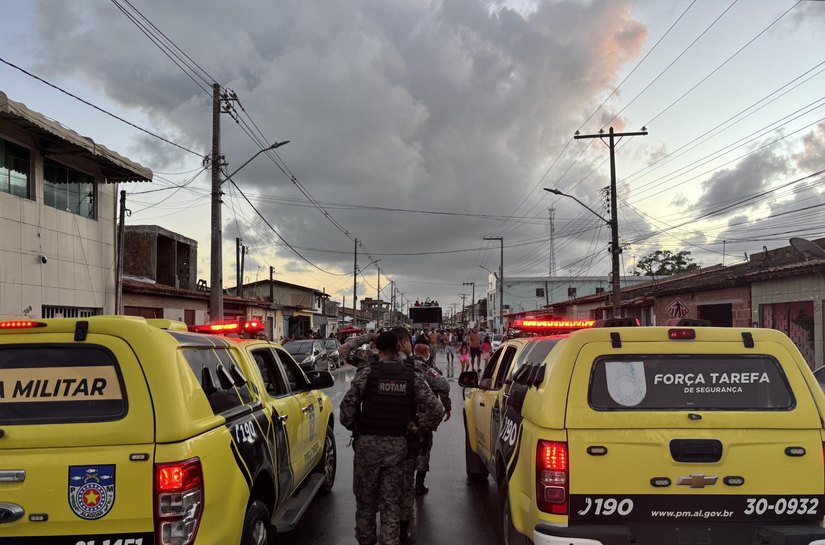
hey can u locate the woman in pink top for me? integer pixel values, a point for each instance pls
(485, 351)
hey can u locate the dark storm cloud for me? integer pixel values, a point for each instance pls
(754, 173)
(448, 105)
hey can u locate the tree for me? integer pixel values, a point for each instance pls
(665, 263)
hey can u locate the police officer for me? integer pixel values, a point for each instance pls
(379, 409)
(440, 387)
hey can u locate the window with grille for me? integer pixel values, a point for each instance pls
(67, 312)
(599, 290)
(571, 292)
(539, 292)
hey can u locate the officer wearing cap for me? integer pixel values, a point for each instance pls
(379, 409)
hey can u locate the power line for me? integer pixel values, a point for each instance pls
(296, 252)
(98, 108)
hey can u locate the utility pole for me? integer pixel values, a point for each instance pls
(463, 305)
(271, 284)
(238, 272)
(121, 236)
(552, 270)
(354, 281)
(216, 265)
(501, 281)
(615, 250)
(473, 284)
(243, 261)
(378, 290)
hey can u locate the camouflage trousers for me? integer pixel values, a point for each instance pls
(408, 496)
(423, 459)
(378, 484)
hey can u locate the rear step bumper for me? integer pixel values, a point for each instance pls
(723, 534)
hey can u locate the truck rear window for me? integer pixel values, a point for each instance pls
(47, 384)
(689, 382)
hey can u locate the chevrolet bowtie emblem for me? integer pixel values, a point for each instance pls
(697, 480)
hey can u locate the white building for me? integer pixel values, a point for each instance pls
(58, 205)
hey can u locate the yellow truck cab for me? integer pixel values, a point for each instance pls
(124, 431)
(653, 435)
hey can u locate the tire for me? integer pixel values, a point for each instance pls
(476, 470)
(509, 534)
(257, 528)
(330, 365)
(329, 463)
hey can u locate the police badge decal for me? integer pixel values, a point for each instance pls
(91, 490)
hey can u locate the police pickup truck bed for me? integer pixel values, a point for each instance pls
(649, 435)
(123, 431)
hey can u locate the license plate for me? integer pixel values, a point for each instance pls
(668, 508)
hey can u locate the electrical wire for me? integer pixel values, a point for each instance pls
(99, 109)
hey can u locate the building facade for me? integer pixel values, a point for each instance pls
(58, 205)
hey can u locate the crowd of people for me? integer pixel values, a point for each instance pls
(473, 347)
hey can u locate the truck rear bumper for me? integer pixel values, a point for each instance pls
(545, 534)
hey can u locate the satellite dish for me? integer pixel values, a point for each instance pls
(807, 248)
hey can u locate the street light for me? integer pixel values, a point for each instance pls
(557, 192)
(216, 258)
(614, 249)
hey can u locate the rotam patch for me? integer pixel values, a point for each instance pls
(392, 387)
(91, 490)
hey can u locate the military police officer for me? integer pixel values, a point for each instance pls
(379, 409)
(440, 387)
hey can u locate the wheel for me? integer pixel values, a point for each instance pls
(476, 470)
(330, 365)
(509, 535)
(257, 528)
(328, 463)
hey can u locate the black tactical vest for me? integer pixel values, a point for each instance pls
(387, 404)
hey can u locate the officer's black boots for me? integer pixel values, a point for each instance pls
(406, 537)
(419, 483)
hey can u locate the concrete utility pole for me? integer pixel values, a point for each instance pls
(271, 284)
(354, 282)
(615, 250)
(501, 281)
(216, 265)
(552, 270)
(473, 284)
(463, 306)
(121, 236)
(378, 290)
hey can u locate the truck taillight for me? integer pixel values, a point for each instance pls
(552, 477)
(178, 501)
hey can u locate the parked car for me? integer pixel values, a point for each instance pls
(496, 340)
(310, 354)
(331, 346)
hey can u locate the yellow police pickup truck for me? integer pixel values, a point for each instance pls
(651, 435)
(124, 431)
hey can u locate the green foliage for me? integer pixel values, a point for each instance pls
(665, 263)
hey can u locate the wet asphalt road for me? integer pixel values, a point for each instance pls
(455, 511)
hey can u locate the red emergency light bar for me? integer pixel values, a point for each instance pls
(553, 324)
(20, 324)
(229, 326)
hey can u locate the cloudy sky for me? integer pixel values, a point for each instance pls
(420, 127)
